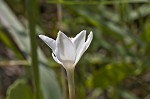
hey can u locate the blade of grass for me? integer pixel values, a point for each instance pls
(13, 63)
(96, 2)
(31, 10)
(7, 41)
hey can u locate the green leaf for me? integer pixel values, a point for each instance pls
(7, 41)
(20, 89)
(50, 87)
(128, 95)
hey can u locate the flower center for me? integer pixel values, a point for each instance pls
(68, 63)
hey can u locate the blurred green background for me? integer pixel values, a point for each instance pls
(116, 65)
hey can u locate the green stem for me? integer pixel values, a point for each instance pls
(71, 85)
(65, 2)
(32, 8)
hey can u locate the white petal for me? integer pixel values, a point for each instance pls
(50, 42)
(78, 36)
(79, 41)
(65, 50)
(84, 48)
(55, 58)
(88, 41)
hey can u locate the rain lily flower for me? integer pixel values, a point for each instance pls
(68, 51)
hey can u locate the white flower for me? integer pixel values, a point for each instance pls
(68, 51)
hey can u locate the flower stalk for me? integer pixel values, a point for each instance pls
(71, 84)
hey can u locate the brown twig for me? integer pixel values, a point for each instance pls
(13, 63)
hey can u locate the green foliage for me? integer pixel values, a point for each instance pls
(21, 38)
(20, 89)
(111, 75)
(4, 38)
